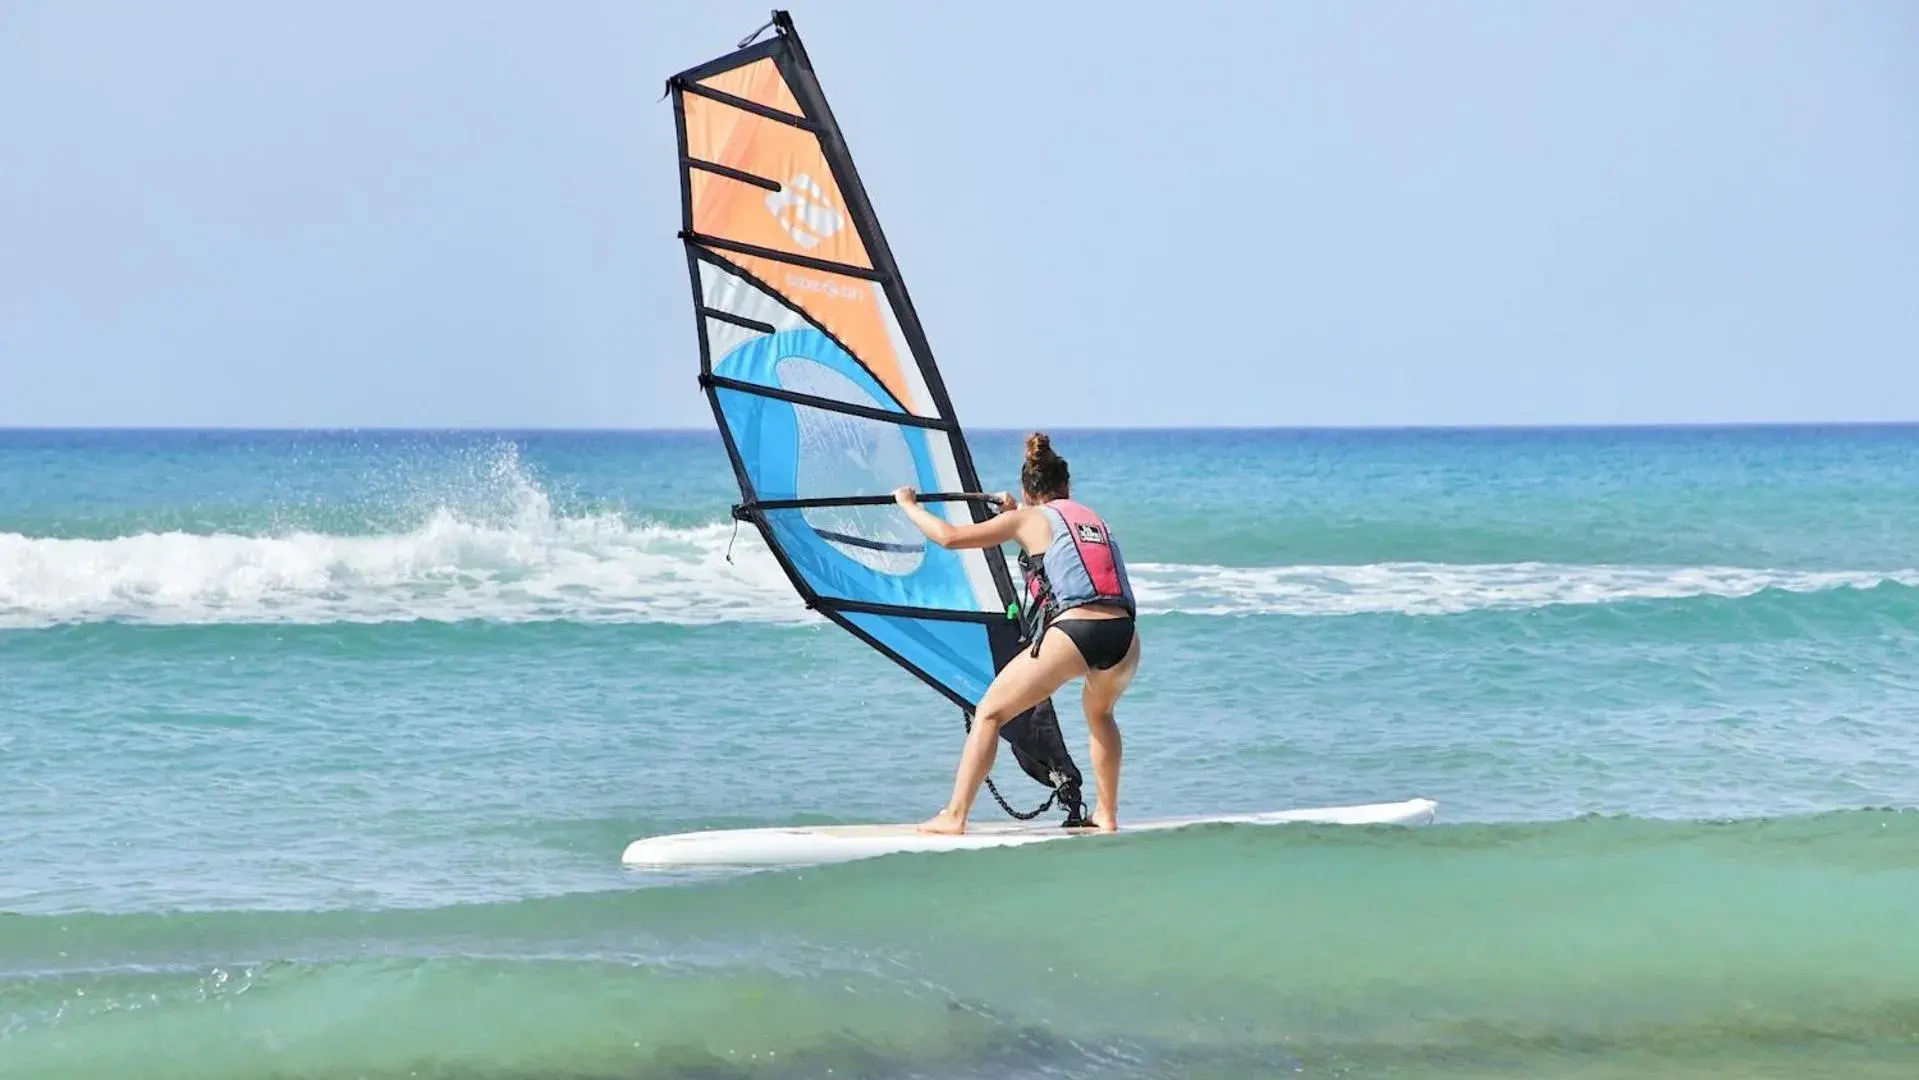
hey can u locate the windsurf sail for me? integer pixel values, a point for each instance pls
(825, 391)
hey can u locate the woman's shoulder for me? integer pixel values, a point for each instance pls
(1033, 520)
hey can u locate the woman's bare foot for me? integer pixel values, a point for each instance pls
(1106, 822)
(944, 823)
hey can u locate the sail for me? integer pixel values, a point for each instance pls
(825, 390)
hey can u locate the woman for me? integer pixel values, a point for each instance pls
(1082, 602)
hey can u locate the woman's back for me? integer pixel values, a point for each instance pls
(1081, 563)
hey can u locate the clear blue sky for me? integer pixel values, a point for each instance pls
(215, 212)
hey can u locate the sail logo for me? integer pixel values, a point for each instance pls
(804, 211)
(827, 288)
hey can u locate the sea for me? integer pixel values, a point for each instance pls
(319, 750)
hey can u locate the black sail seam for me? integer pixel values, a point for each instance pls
(815, 401)
(861, 500)
(751, 106)
(730, 173)
(738, 320)
(824, 266)
(864, 607)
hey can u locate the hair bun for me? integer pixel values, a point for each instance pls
(1044, 475)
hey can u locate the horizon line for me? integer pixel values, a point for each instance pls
(1641, 425)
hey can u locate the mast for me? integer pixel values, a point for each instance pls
(824, 387)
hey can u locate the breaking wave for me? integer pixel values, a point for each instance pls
(605, 568)
(1412, 588)
(513, 558)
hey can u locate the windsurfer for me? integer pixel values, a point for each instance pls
(1077, 584)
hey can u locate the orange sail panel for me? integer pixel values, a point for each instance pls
(758, 82)
(805, 216)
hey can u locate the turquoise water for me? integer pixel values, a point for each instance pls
(320, 750)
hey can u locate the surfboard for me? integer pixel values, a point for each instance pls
(816, 844)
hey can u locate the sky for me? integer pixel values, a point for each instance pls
(1114, 213)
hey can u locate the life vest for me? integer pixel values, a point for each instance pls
(1082, 565)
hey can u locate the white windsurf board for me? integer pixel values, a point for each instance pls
(801, 845)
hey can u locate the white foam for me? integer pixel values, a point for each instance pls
(499, 552)
(594, 568)
(1412, 588)
(606, 569)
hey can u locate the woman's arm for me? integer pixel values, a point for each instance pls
(995, 530)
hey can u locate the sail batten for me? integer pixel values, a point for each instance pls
(739, 320)
(759, 251)
(731, 173)
(862, 500)
(888, 415)
(824, 388)
(754, 107)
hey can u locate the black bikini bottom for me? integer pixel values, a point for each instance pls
(1103, 642)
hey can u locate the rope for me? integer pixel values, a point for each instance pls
(748, 39)
(1030, 814)
(1001, 799)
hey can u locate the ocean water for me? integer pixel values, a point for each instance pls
(318, 752)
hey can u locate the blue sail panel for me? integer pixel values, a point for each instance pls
(957, 654)
(870, 565)
(795, 451)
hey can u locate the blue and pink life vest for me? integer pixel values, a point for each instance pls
(1081, 566)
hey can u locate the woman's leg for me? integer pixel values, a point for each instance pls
(1024, 682)
(1102, 693)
